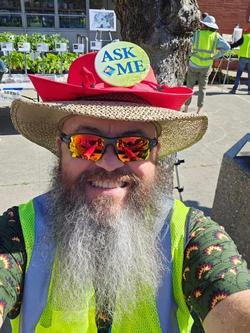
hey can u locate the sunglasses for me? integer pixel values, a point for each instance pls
(91, 147)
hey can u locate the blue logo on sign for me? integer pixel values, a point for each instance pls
(109, 71)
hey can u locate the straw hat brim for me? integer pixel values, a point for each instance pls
(38, 122)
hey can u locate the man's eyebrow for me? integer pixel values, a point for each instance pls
(135, 132)
(87, 129)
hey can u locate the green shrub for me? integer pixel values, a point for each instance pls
(33, 39)
(50, 63)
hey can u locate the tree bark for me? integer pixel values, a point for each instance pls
(163, 28)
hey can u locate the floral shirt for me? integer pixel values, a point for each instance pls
(212, 268)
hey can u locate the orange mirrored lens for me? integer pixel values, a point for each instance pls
(87, 147)
(132, 148)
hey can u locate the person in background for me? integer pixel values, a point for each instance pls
(203, 15)
(244, 59)
(3, 67)
(207, 46)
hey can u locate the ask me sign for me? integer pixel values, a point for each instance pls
(122, 64)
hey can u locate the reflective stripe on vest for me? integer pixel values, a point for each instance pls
(167, 314)
(204, 48)
(245, 47)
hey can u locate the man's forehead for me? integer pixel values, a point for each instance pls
(79, 123)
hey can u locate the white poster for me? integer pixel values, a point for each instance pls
(102, 20)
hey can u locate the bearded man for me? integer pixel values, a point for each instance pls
(108, 249)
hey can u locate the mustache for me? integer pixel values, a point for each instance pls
(120, 175)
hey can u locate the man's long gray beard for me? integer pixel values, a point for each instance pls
(117, 255)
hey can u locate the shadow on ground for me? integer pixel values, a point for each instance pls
(242, 92)
(211, 93)
(214, 93)
(195, 204)
(6, 126)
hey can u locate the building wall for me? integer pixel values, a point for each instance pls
(18, 11)
(228, 13)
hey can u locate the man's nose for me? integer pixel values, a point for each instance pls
(109, 160)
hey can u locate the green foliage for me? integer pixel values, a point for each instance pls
(20, 39)
(67, 59)
(15, 61)
(53, 64)
(52, 39)
(33, 39)
(7, 37)
(47, 63)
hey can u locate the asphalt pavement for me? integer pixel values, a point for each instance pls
(25, 168)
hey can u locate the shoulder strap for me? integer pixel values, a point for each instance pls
(178, 239)
(196, 40)
(27, 219)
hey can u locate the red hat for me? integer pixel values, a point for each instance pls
(84, 83)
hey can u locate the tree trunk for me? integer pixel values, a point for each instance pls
(163, 28)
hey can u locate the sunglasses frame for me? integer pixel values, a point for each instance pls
(108, 141)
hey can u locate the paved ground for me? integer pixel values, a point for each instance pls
(25, 167)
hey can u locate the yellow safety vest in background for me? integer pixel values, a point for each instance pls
(245, 47)
(204, 48)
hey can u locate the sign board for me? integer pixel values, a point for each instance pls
(7, 46)
(42, 47)
(102, 20)
(61, 47)
(95, 45)
(24, 47)
(122, 64)
(78, 48)
(10, 94)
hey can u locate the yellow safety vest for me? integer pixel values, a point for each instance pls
(204, 48)
(245, 47)
(144, 317)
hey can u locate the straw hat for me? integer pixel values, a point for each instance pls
(86, 94)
